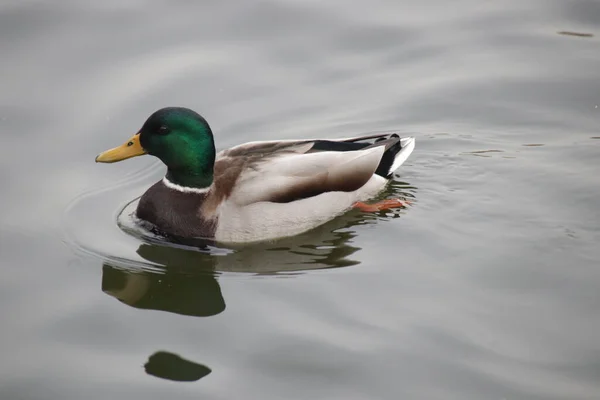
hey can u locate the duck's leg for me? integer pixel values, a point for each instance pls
(380, 205)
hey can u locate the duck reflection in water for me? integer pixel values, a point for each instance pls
(176, 289)
(186, 281)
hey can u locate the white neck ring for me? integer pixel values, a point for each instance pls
(184, 189)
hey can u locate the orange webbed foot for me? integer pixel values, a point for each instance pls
(380, 205)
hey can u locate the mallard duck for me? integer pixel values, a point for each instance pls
(257, 190)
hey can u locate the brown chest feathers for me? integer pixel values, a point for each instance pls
(175, 213)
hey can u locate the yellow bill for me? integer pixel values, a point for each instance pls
(129, 149)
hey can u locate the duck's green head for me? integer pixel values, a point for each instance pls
(180, 138)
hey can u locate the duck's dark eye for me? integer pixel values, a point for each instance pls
(163, 130)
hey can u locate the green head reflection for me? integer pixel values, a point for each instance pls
(187, 286)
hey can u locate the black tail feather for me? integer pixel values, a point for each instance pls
(390, 141)
(383, 169)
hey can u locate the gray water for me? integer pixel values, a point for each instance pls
(487, 287)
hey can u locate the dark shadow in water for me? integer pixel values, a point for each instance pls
(170, 366)
(577, 34)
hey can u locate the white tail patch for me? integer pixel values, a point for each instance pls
(408, 145)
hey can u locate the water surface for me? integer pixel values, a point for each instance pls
(485, 288)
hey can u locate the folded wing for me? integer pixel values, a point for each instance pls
(285, 171)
